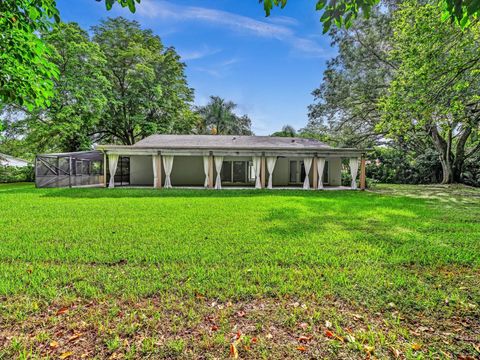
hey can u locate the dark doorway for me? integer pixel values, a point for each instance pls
(122, 176)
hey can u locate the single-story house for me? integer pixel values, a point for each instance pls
(7, 160)
(210, 161)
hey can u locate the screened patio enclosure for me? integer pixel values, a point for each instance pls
(74, 169)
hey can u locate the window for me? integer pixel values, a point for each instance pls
(227, 171)
(239, 172)
(297, 171)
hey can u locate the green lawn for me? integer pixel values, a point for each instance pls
(185, 273)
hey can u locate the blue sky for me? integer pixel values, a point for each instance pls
(268, 66)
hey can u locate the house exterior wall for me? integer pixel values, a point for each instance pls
(188, 170)
(141, 170)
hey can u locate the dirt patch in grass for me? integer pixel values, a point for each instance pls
(201, 328)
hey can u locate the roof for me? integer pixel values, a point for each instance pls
(12, 160)
(78, 155)
(233, 142)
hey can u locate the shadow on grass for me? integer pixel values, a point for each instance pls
(186, 193)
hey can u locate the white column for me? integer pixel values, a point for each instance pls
(257, 167)
(320, 167)
(168, 165)
(155, 170)
(218, 168)
(112, 167)
(307, 163)
(206, 164)
(271, 161)
(353, 163)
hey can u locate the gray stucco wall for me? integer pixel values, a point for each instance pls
(141, 170)
(188, 171)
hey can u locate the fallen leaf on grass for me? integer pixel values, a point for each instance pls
(214, 327)
(66, 355)
(301, 348)
(54, 344)
(74, 337)
(332, 335)
(62, 310)
(233, 351)
(303, 325)
(416, 346)
(305, 339)
(396, 353)
(254, 340)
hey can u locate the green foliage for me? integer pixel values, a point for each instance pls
(124, 3)
(13, 174)
(287, 131)
(149, 92)
(25, 73)
(435, 86)
(219, 118)
(396, 166)
(81, 89)
(409, 84)
(341, 13)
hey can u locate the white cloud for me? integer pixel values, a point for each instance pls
(196, 54)
(219, 69)
(277, 28)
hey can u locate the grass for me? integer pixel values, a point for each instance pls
(193, 273)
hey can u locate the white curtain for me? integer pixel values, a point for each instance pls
(168, 165)
(307, 163)
(112, 167)
(353, 162)
(218, 168)
(155, 170)
(257, 163)
(271, 161)
(320, 167)
(206, 169)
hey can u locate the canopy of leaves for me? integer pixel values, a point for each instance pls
(436, 85)
(342, 12)
(149, 92)
(25, 73)
(219, 118)
(287, 131)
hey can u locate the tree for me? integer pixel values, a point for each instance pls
(149, 92)
(26, 74)
(70, 121)
(287, 131)
(219, 118)
(343, 12)
(435, 86)
(346, 103)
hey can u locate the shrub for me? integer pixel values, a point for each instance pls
(10, 174)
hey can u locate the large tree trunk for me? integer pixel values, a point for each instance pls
(443, 147)
(452, 164)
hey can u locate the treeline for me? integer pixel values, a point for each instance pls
(407, 83)
(117, 86)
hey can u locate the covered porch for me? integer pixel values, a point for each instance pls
(166, 168)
